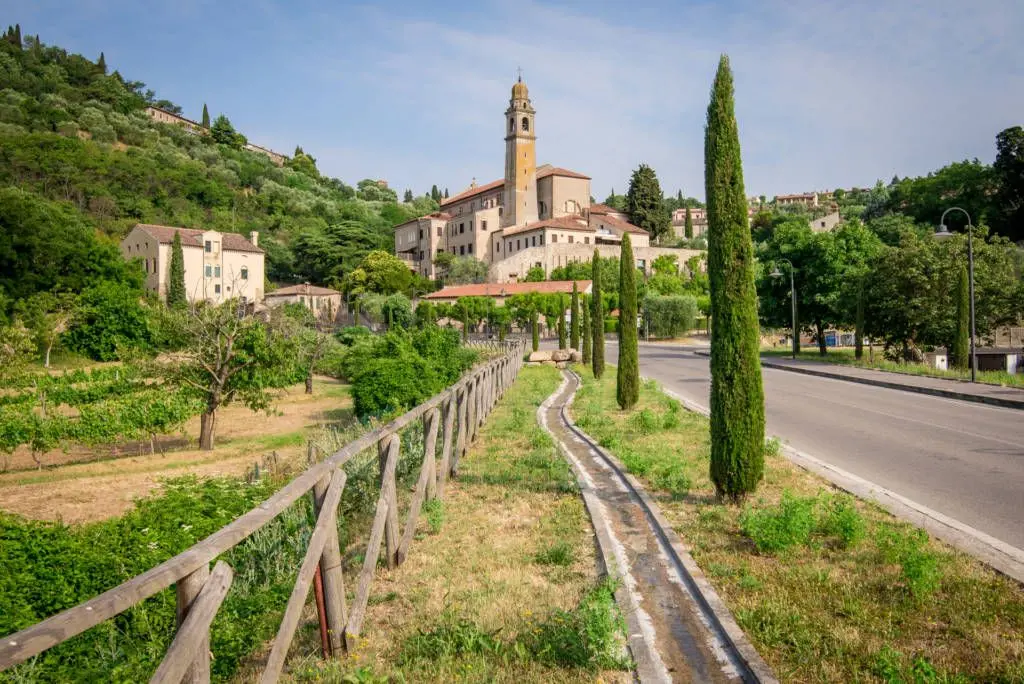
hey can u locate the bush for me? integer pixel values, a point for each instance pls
(670, 316)
(352, 334)
(611, 325)
(843, 521)
(918, 565)
(777, 528)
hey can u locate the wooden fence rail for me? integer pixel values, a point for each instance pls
(453, 415)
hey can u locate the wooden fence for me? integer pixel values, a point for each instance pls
(454, 415)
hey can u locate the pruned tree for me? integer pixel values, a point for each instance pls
(627, 378)
(737, 394)
(176, 295)
(587, 332)
(597, 317)
(206, 116)
(574, 318)
(227, 358)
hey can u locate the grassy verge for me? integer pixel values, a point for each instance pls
(844, 357)
(827, 587)
(500, 585)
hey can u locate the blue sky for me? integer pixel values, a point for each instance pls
(828, 93)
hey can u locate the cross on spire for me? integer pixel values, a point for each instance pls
(519, 73)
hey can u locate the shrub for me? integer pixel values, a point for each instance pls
(611, 325)
(671, 315)
(352, 334)
(645, 421)
(559, 553)
(843, 521)
(778, 528)
(919, 566)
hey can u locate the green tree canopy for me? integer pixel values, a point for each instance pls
(645, 203)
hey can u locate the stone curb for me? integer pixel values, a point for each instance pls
(647, 662)
(754, 666)
(888, 384)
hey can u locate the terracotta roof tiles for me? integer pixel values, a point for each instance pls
(192, 237)
(509, 289)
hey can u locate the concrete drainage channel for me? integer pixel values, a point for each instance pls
(679, 628)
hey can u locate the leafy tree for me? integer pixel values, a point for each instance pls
(858, 331)
(737, 395)
(587, 332)
(228, 358)
(961, 340)
(967, 184)
(407, 197)
(574, 318)
(223, 133)
(464, 269)
(536, 274)
(670, 316)
(1008, 171)
(597, 317)
(379, 272)
(426, 314)
(627, 385)
(644, 203)
(16, 349)
(665, 264)
(617, 202)
(688, 225)
(206, 116)
(176, 296)
(110, 322)
(49, 316)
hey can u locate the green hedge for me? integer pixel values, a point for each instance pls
(611, 325)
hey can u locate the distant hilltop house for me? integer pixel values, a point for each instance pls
(808, 199)
(699, 219)
(218, 266)
(825, 223)
(533, 217)
(196, 128)
(324, 302)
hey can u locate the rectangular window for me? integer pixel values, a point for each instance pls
(439, 231)
(470, 247)
(571, 239)
(209, 270)
(470, 226)
(462, 228)
(245, 273)
(533, 241)
(554, 238)
(462, 249)
(586, 241)
(208, 246)
(542, 238)
(517, 245)
(216, 289)
(483, 225)
(497, 246)
(216, 271)
(421, 233)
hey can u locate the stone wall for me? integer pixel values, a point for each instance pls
(550, 257)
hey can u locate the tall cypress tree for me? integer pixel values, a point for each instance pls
(435, 194)
(102, 63)
(737, 395)
(206, 116)
(587, 337)
(645, 204)
(627, 380)
(176, 296)
(597, 318)
(534, 330)
(574, 318)
(962, 342)
(688, 224)
(560, 326)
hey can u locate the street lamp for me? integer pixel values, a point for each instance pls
(941, 233)
(792, 296)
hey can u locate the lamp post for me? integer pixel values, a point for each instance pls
(941, 233)
(792, 297)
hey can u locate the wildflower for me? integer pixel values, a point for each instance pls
(152, 545)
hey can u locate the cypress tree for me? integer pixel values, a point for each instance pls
(17, 36)
(465, 323)
(574, 318)
(176, 296)
(561, 324)
(627, 379)
(102, 63)
(446, 193)
(645, 203)
(962, 342)
(206, 116)
(586, 330)
(435, 194)
(688, 225)
(737, 394)
(408, 195)
(534, 332)
(597, 318)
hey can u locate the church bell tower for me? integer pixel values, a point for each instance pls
(520, 197)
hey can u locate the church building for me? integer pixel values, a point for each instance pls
(536, 216)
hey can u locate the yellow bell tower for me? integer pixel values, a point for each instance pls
(520, 197)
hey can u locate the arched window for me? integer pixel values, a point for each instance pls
(526, 124)
(511, 125)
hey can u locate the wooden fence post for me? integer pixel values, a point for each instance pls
(460, 441)
(186, 591)
(178, 664)
(384, 446)
(450, 411)
(431, 423)
(331, 577)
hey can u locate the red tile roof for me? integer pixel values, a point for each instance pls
(439, 215)
(192, 237)
(599, 208)
(623, 225)
(561, 223)
(545, 171)
(303, 289)
(473, 192)
(509, 289)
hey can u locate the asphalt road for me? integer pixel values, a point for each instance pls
(962, 459)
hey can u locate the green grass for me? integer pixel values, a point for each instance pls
(844, 357)
(829, 588)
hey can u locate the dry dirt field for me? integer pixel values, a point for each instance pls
(83, 485)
